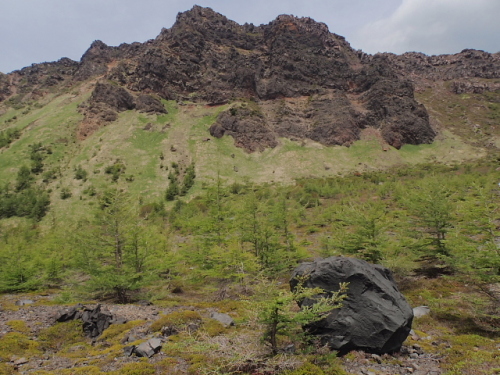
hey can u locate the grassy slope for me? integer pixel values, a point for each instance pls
(140, 150)
(181, 137)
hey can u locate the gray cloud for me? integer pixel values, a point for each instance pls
(434, 27)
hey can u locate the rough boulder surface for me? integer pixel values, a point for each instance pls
(94, 320)
(375, 316)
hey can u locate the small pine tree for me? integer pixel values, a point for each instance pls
(172, 190)
(80, 173)
(24, 178)
(188, 180)
(279, 318)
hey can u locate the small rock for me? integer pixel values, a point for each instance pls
(413, 355)
(148, 348)
(129, 350)
(224, 319)
(169, 331)
(415, 366)
(20, 361)
(377, 358)
(24, 302)
(421, 311)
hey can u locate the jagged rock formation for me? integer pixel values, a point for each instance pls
(34, 81)
(107, 100)
(467, 70)
(303, 81)
(94, 320)
(374, 317)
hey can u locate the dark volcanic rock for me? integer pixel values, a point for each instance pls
(148, 348)
(35, 80)
(114, 96)
(4, 87)
(375, 317)
(94, 61)
(146, 103)
(467, 64)
(208, 58)
(94, 320)
(247, 127)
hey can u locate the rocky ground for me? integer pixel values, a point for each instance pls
(39, 314)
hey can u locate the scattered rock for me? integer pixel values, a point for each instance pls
(421, 311)
(129, 350)
(224, 319)
(148, 348)
(94, 320)
(375, 317)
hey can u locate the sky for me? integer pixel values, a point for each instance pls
(33, 31)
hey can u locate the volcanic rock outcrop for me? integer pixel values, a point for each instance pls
(299, 80)
(94, 320)
(374, 317)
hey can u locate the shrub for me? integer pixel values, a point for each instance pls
(80, 173)
(65, 193)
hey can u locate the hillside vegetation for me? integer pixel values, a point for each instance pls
(435, 226)
(192, 173)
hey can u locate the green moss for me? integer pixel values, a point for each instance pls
(86, 370)
(6, 369)
(470, 354)
(306, 369)
(137, 368)
(176, 318)
(198, 363)
(115, 332)
(19, 326)
(213, 328)
(15, 343)
(166, 366)
(61, 334)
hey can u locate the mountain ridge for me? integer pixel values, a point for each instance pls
(205, 57)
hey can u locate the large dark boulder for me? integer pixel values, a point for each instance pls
(375, 316)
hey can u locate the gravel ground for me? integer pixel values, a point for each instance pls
(37, 316)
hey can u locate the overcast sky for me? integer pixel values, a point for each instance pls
(33, 31)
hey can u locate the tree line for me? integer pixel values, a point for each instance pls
(428, 218)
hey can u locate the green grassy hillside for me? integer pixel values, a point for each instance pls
(146, 146)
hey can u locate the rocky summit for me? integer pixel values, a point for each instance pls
(296, 79)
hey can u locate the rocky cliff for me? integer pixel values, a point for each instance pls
(291, 78)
